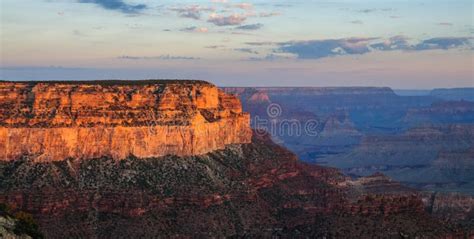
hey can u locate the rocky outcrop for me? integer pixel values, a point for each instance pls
(450, 206)
(51, 121)
(339, 124)
(20, 225)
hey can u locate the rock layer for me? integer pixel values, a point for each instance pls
(52, 121)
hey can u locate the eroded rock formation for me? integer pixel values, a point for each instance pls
(52, 121)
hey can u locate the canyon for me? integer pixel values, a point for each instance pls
(423, 139)
(85, 161)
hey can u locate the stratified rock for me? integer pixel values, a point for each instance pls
(52, 121)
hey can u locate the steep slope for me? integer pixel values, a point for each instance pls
(256, 189)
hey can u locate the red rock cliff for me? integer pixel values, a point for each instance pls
(52, 121)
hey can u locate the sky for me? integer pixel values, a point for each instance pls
(403, 44)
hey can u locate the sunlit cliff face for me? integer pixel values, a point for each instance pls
(55, 121)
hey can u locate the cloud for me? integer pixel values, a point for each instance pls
(448, 24)
(117, 5)
(246, 50)
(367, 10)
(250, 27)
(267, 43)
(192, 11)
(271, 57)
(195, 29)
(393, 43)
(269, 14)
(242, 33)
(162, 57)
(78, 33)
(219, 1)
(395, 17)
(282, 5)
(439, 43)
(219, 20)
(214, 46)
(244, 6)
(443, 43)
(316, 49)
(357, 22)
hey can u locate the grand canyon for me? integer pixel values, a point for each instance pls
(157, 158)
(236, 119)
(424, 140)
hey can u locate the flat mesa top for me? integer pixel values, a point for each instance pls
(113, 82)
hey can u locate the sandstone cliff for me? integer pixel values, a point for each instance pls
(52, 121)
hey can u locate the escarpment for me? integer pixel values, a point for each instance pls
(53, 121)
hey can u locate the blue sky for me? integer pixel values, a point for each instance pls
(401, 44)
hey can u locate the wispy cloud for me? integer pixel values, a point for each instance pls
(220, 20)
(316, 49)
(78, 33)
(439, 43)
(368, 10)
(357, 22)
(195, 29)
(117, 5)
(447, 24)
(246, 50)
(282, 5)
(162, 57)
(267, 43)
(214, 46)
(271, 57)
(443, 43)
(245, 6)
(269, 14)
(191, 11)
(250, 26)
(393, 43)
